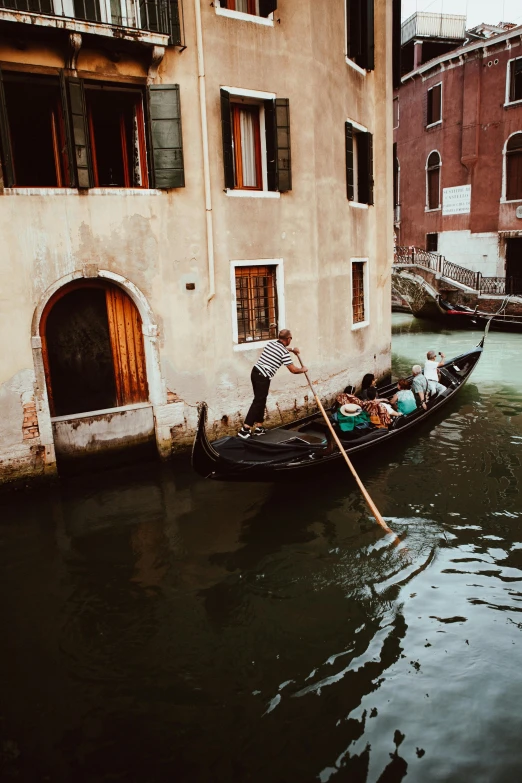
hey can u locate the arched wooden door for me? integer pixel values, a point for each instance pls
(92, 347)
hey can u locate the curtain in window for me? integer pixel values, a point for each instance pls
(248, 148)
(242, 5)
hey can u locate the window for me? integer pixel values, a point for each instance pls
(256, 142)
(254, 7)
(116, 137)
(33, 132)
(515, 80)
(395, 113)
(434, 108)
(359, 293)
(359, 164)
(360, 45)
(514, 168)
(396, 186)
(432, 243)
(256, 303)
(433, 166)
(69, 133)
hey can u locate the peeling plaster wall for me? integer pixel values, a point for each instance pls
(156, 241)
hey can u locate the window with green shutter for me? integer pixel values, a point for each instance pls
(360, 37)
(359, 164)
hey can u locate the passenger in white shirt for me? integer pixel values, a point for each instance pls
(431, 372)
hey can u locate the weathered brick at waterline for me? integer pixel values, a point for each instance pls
(217, 192)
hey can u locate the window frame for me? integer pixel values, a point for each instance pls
(358, 128)
(510, 66)
(256, 98)
(267, 21)
(430, 89)
(366, 293)
(427, 169)
(278, 263)
(504, 199)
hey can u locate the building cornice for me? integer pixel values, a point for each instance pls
(462, 52)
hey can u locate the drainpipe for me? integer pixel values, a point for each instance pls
(206, 164)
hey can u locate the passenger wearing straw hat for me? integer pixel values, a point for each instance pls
(351, 416)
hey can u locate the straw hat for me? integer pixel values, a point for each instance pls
(350, 409)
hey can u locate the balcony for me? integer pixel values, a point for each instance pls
(156, 22)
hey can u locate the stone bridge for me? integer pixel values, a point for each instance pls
(420, 277)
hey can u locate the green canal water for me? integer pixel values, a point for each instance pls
(157, 627)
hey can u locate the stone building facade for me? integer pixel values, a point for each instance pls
(458, 153)
(179, 182)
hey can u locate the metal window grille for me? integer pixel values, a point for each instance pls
(358, 292)
(256, 295)
(34, 6)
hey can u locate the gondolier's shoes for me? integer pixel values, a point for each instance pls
(259, 431)
(244, 433)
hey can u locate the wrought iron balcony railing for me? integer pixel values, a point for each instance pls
(158, 16)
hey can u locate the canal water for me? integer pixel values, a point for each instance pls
(158, 627)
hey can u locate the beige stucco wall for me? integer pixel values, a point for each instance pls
(157, 240)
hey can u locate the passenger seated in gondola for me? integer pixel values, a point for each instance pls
(348, 397)
(368, 382)
(380, 413)
(404, 400)
(351, 418)
(419, 387)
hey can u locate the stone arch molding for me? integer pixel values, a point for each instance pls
(157, 387)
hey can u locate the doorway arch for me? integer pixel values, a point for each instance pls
(92, 348)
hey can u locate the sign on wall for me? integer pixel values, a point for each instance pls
(456, 201)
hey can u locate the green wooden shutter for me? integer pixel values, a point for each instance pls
(267, 7)
(226, 127)
(80, 134)
(271, 145)
(369, 159)
(284, 158)
(348, 134)
(166, 137)
(5, 140)
(71, 179)
(368, 58)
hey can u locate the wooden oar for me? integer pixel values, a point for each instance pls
(371, 505)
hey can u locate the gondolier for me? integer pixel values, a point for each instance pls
(274, 355)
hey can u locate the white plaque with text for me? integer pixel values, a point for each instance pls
(456, 201)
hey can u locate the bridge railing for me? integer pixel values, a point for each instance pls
(419, 257)
(501, 285)
(416, 256)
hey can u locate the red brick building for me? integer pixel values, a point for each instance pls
(458, 148)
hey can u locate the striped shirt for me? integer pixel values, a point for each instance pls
(273, 356)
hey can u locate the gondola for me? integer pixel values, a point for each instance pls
(461, 317)
(305, 446)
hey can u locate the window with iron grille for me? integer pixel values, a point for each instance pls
(515, 80)
(256, 302)
(358, 305)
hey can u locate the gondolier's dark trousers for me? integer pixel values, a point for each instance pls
(261, 386)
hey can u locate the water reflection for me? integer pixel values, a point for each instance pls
(162, 627)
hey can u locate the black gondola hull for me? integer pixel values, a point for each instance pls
(290, 451)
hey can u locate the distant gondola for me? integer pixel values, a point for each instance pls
(461, 317)
(305, 446)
